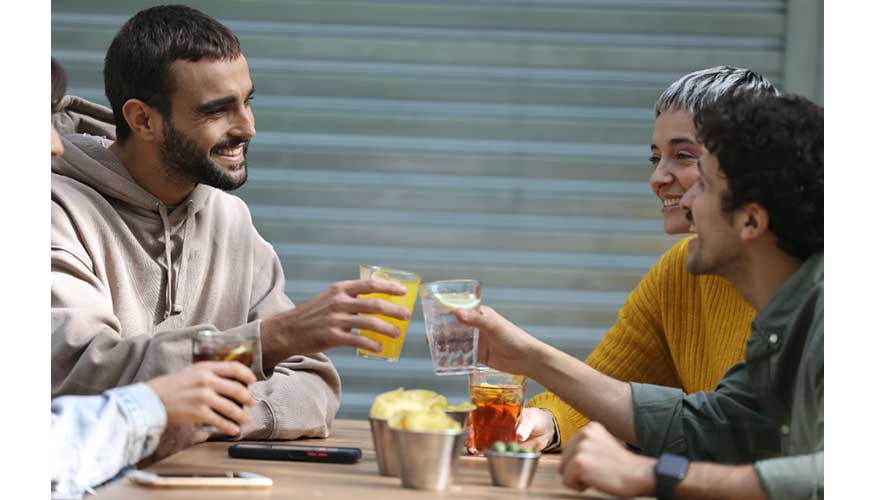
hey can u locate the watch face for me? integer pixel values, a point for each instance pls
(672, 466)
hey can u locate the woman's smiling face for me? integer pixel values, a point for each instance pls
(674, 156)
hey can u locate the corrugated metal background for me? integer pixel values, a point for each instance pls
(499, 140)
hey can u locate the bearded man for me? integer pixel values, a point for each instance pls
(148, 249)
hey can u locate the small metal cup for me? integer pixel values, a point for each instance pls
(512, 470)
(386, 448)
(429, 459)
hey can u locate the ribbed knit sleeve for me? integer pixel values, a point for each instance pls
(674, 330)
(633, 349)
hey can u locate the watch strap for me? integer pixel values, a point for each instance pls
(669, 471)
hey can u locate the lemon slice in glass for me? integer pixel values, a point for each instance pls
(453, 301)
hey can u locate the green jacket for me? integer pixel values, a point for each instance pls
(768, 409)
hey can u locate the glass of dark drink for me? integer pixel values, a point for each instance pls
(498, 397)
(210, 345)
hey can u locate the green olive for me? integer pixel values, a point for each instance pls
(513, 447)
(525, 450)
(499, 446)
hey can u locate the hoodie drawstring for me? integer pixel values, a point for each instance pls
(168, 261)
(177, 303)
(171, 304)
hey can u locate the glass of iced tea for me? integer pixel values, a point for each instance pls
(391, 347)
(498, 397)
(210, 345)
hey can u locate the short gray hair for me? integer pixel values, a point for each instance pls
(700, 88)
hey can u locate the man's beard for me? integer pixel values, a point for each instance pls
(182, 158)
(725, 259)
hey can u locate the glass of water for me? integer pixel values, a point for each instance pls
(453, 345)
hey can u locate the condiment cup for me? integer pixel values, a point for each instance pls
(512, 470)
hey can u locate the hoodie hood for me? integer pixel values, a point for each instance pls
(77, 115)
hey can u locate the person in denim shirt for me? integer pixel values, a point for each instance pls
(757, 209)
(95, 437)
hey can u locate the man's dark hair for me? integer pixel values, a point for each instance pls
(59, 83)
(770, 150)
(138, 61)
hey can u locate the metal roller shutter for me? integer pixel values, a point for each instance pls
(499, 140)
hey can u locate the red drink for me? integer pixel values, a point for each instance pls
(498, 408)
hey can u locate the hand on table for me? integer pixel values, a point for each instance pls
(535, 428)
(595, 458)
(326, 321)
(204, 393)
(501, 344)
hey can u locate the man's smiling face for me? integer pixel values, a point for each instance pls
(206, 136)
(718, 248)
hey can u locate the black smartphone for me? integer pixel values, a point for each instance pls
(297, 453)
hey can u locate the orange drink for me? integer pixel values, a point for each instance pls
(391, 347)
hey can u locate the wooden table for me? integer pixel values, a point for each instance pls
(359, 481)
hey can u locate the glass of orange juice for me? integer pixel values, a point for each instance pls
(391, 347)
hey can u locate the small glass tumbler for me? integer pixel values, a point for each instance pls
(453, 345)
(211, 345)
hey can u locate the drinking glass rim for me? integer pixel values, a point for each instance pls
(492, 371)
(432, 284)
(413, 277)
(219, 334)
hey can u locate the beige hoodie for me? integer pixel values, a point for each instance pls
(121, 314)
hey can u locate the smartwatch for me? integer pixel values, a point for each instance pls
(669, 471)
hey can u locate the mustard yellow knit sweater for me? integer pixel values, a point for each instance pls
(674, 329)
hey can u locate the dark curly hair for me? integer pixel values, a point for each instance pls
(770, 150)
(138, 60)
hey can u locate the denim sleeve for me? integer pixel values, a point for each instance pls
(93, 437)
(799, 477)
(725, 425)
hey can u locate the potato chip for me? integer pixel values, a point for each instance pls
(423, 421)
(388, 403)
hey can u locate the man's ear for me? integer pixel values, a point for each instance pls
(144, 120)
(752, 221)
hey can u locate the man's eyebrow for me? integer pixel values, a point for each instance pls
(222, 101)
(215, 103)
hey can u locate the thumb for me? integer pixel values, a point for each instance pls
(471, 317)
(466, 316)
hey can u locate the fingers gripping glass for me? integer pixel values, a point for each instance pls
(391, 347)
(209, 345)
